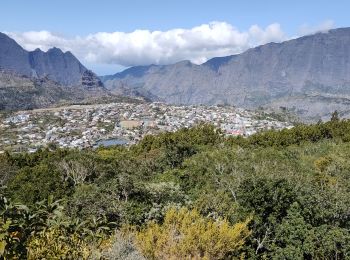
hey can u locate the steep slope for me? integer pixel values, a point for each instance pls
(310, 75)
(22, 92)
(19, 92)
(58, 66)
(13, 56)
(61, 67)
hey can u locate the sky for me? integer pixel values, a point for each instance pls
(108, 36)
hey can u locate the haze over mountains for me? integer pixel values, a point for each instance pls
(309, 75)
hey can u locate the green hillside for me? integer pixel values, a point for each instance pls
(192, 194)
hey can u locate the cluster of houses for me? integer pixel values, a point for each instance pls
(83, 126)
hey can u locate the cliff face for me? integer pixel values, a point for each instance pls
(13, 56)
(23, 92)
(61, 67)
(310, 75)
(20, 92)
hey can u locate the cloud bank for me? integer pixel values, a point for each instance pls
(143, 47)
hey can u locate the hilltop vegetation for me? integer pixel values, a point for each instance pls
(192, 194)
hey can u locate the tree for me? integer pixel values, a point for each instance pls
(297, 239)
(32, 184)
(7, 170)
(268, 199)
(74, 171)
(291, 240)
(335, 116)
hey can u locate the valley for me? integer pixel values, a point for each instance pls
(84, 126)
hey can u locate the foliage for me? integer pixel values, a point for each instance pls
(19, 223)
(292, 185)
(13, 229)
(56, 243)
(43, 232)
(187, 235)
(32, 184)
(296, 239)
(336, 129)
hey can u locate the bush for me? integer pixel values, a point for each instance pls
(55, 243)
(186, 234)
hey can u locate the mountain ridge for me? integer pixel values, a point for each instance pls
(261, 76)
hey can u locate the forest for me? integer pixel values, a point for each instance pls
(191, 194)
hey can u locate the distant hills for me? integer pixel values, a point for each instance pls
(309, 76)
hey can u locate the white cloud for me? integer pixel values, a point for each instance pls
(42, 39)
(325, 26)
(142, 47)
(272, 33)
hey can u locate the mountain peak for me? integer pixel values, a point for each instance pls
(184, 63)
(55, 50)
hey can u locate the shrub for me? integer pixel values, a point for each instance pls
(55, 243)
(185, 234)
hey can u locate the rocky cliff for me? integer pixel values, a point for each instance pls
(20, 92)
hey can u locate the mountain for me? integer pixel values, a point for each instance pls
(20, 92)
(308, 75)
(59, 66)
(39, 79)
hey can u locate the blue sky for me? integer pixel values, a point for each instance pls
(67, 20)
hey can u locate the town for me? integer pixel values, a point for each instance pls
(84, 126)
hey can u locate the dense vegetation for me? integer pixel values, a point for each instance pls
(192, 194)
